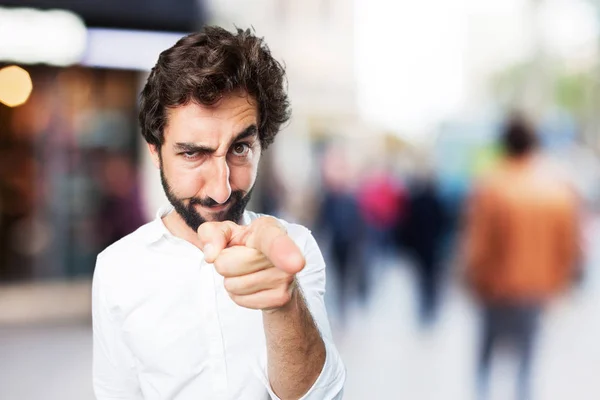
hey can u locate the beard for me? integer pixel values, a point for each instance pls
(236, 204)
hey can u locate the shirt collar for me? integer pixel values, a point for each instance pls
(157, 229)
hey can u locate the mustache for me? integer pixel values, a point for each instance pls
(236, 196)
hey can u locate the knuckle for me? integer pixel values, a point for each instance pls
(206, 227)
(283, 298)
(229, 284)
(235, 299)
(225, 231)
(269, 222)
(206, 231)
(290, 278)
(220, 266)
(265, 219)
(286, 279)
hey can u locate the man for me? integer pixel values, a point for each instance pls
(210, 301)
(422, 234)
(339, 219)
(521, 247)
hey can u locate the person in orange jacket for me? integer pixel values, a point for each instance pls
(521, 247)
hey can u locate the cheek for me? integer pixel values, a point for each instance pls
(243, 177)
(184, 182)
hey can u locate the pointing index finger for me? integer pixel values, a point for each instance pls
(271, 238)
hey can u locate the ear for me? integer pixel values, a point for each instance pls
(155, 154)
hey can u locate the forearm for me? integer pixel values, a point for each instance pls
(295, 349)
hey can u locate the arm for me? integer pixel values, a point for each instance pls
(299, 339)
(295, 350)
(265, 269)
(114, 375)
(477, 238)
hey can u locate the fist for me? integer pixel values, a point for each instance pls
(258, 262)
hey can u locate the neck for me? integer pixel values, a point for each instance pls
(177, 226)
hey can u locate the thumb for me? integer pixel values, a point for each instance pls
(285, 255)
(271, 238)
(214, 237)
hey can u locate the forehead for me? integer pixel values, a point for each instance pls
(197, 122)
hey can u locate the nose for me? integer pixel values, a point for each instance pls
(218, 187)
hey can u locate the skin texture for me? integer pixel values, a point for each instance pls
(203, 160)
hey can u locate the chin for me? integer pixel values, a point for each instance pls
(214, 216)
(219, 216)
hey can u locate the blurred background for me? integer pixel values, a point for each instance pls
(397, 111)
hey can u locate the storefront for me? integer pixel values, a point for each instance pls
(69, 184)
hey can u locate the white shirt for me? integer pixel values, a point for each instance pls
(166, 329)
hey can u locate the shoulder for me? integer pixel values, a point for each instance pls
(124, 254)
(134, 241)
(490, 183)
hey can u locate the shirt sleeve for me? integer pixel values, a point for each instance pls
(330, 383)
(114, 373)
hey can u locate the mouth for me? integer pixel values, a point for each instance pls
(217, 208)
(220, 207)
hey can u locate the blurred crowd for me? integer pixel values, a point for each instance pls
(514, 240)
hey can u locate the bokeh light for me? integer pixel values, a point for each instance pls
(15, 86)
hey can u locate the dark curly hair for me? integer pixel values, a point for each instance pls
(204, 66)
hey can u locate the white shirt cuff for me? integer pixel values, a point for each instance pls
(330, 383)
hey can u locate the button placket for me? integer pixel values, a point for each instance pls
(216, 351)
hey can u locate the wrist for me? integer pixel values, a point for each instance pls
(291, 305)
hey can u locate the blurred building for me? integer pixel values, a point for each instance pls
(69, 144)
(315, 41)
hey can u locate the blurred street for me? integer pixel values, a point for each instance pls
(386, 354)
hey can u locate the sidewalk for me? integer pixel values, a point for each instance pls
(45, 302)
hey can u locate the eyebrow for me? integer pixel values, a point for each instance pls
(250, 131)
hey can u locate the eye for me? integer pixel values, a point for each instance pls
(189, 154)
(240, 149)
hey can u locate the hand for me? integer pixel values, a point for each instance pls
(258, 261)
